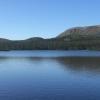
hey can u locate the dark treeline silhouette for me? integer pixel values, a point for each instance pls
(50, 44)
(33, 44)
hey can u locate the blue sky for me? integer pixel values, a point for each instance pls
(21, 19)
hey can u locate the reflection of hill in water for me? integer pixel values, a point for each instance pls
(81, 63)
(90, 64)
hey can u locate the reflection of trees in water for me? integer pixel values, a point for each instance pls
(2, 59)
(91, 64)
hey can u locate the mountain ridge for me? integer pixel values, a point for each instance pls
(77, 38)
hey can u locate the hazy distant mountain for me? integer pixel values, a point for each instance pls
(75, 38)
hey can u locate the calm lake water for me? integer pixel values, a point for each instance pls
(49, 75)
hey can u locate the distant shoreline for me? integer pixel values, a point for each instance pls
(79, 38)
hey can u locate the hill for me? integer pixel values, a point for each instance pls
(82, 37)
(77, 38)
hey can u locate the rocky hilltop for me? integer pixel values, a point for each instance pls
(77, 38)
(88, 31)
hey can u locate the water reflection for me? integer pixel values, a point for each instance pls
(48, 78)
(90, 64)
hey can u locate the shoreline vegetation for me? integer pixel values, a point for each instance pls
(78, 38)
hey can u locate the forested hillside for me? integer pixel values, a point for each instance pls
(78, 38)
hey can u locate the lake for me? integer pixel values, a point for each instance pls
(49, 75)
